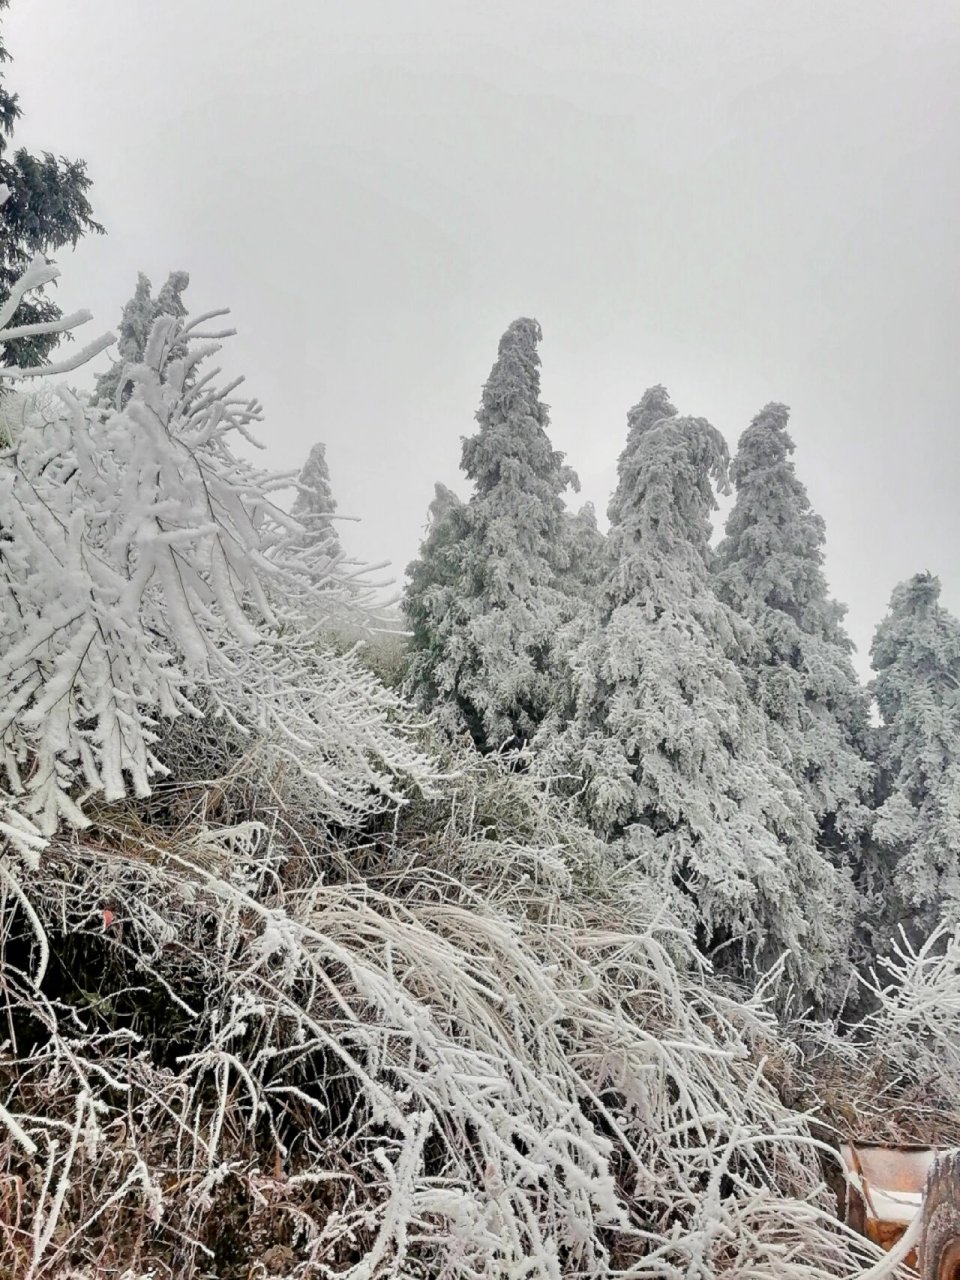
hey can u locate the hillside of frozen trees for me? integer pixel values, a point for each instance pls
(561, 931)
(558, 918)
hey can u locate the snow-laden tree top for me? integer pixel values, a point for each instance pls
(584, 556)
(484, 620)
(142, 561)
(513, 422)
(315, 506)
(660, 541)
(653, 407)
(916, 655)
(773, 550)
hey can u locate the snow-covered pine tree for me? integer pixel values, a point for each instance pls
(482, 641)
(664, 745)
(143, 561)
(913, 878)
(770, 570)
(314, 506)
(139, 315)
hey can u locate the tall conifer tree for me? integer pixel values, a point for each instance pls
(430, 596)
(314, 506)
(483, 639)
(140, 314)
(584, 554)
(800, 673)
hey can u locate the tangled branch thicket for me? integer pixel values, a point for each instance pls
(467, 1048)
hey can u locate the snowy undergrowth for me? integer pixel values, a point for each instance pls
(452, 1052)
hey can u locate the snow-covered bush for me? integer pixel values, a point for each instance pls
(476, 1048)
(917, 1020)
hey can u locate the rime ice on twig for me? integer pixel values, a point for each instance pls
(144, 560)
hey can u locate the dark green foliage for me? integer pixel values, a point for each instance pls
(46, 209)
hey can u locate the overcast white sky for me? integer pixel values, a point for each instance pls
(744, 199)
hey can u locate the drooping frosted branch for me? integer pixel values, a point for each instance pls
(144, 565)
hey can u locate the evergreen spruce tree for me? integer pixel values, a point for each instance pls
(664, 745)
(914, 877)
(800, 673)
(47, 208)
(314, 505)
(485, 619)
(136, 323)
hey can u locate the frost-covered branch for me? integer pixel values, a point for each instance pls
(917, 1022)
(144, 563)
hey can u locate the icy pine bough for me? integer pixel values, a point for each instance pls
(142, 560)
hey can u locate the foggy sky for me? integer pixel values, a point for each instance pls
(746, 201)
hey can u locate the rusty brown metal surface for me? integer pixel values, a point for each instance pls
(885, 1189)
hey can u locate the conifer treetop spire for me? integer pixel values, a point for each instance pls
(136, 324)
(486, 604)
(770, 571)
(511, 446)
(660, 528)
(663, 746)
(653, 407)
(773, 550)
(314, 506)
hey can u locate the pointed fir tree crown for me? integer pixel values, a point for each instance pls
(314, 506)
(654, 406)
(140, 314)
(664, 744)
(483, 658)
(916, 655)
(770, 570)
